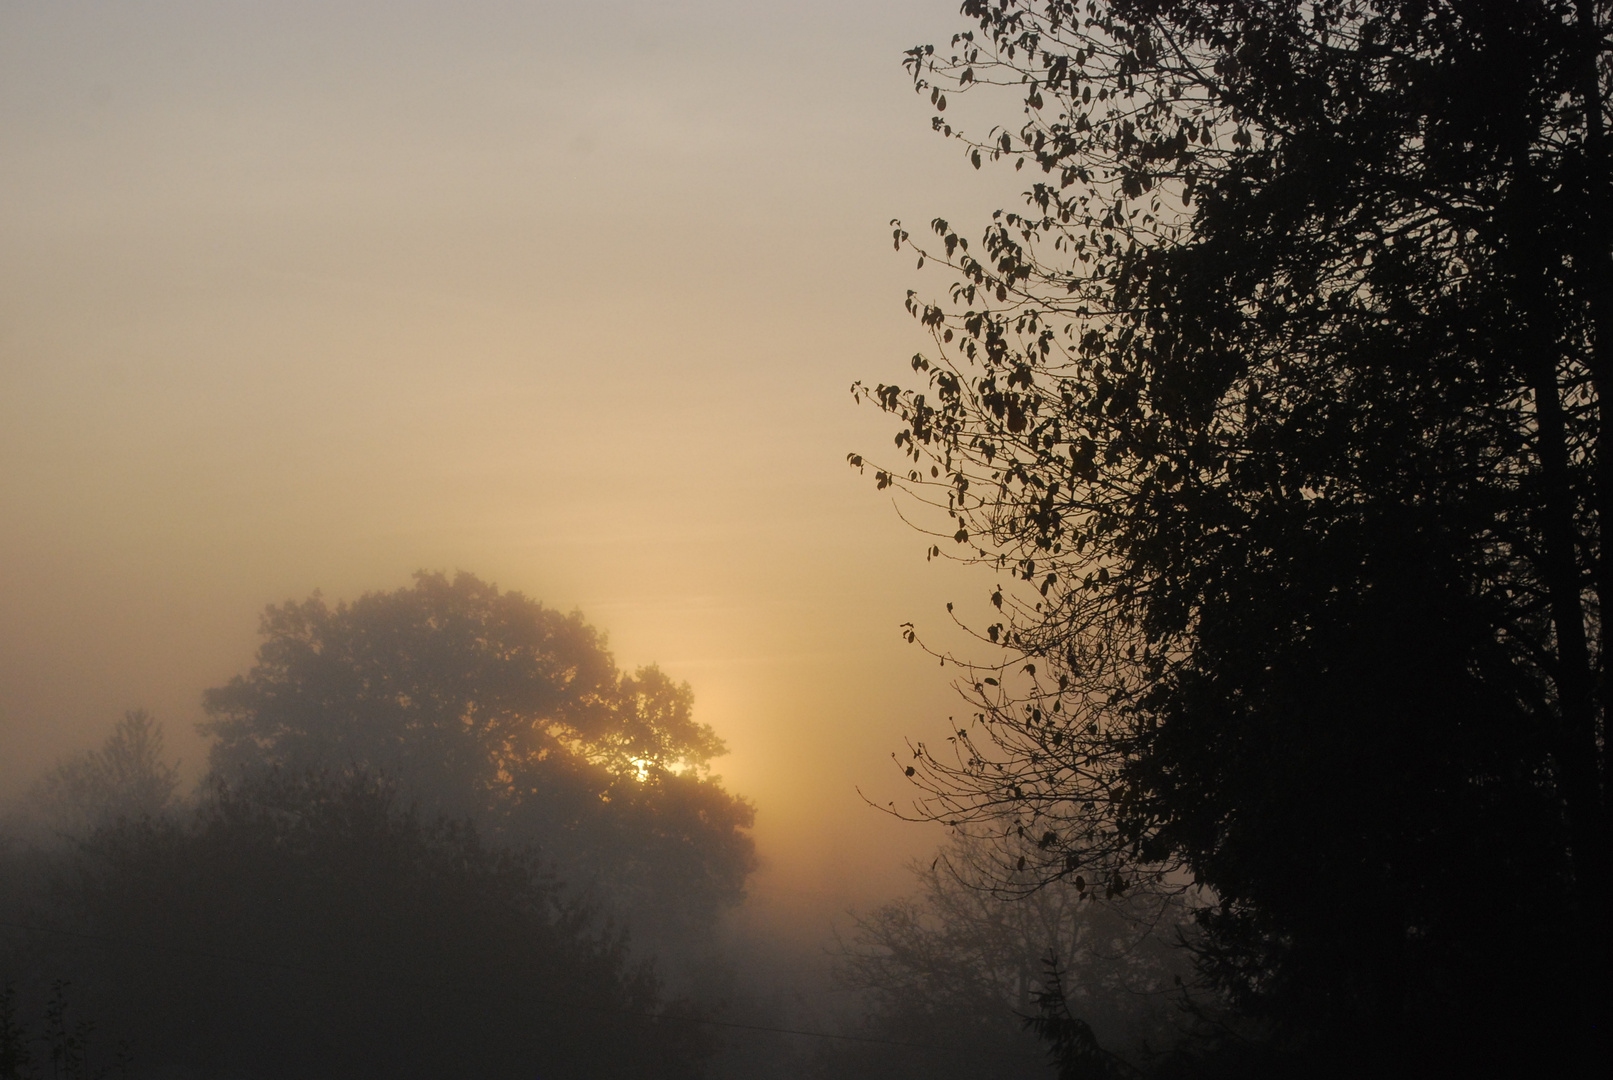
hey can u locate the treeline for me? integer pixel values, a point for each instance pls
(316, 927)
(430, 820)
(442, 834)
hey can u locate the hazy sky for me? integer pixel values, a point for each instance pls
(314, 295)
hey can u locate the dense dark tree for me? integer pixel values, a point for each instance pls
(489, 705)
(1277, 409)
(313, 927)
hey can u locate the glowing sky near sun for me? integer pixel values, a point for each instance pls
(313, 295)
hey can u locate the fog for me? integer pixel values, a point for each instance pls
(307, 298)
(534, 546)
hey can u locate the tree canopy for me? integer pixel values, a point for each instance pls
(1275, 409)
(488, 705)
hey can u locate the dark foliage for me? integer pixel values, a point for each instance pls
(1277, 411)
(310, 927)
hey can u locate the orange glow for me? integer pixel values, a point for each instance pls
(320, 302)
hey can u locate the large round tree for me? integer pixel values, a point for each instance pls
(488, 705)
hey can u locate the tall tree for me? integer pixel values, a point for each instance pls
(490, 705)
(1277, 409)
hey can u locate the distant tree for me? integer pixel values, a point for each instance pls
(314, 926)
(1277, 411)
(962, 966)
(490, 705)
(128, 777)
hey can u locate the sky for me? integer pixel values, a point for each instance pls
(300, 296)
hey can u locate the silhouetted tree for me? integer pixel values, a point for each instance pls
(311, 926)
(489, 705)
(1278, 412)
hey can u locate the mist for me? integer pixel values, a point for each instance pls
(804, 539)
(311, 298)
(441, 829)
